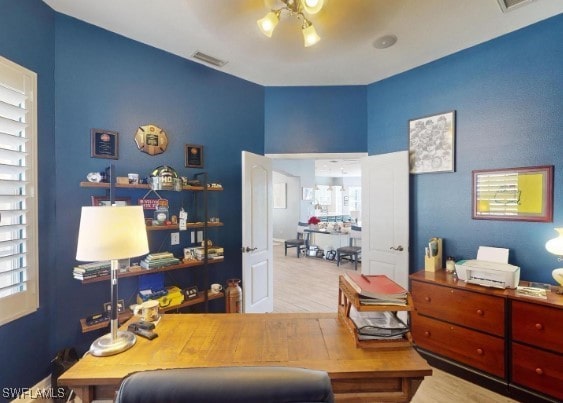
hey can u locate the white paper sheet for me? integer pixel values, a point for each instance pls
(491, 254)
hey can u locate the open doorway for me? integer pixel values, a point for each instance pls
(327, 186)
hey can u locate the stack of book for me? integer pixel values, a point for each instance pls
(377, 289)
(91, 270)
(157, 260)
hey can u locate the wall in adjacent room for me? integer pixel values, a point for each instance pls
(508, 102)
(27, 37)
(106, 81)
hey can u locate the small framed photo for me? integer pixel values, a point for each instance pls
(432, 143)
(307, 194)
(104, 201)
(104, 144)
(190, 292)
(194, 156)
(120, 307)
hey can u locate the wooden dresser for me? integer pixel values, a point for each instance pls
(508, 343)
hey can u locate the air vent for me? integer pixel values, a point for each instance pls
(508, 5)
(209, 59)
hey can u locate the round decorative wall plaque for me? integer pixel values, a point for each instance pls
(151, 139)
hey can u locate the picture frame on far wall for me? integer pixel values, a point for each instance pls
(432, 143)
(104, 201)
(194, 155)
(308, 194)
(515, 194)
(104, 144)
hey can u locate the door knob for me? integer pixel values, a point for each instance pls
(398, 248)
(247, 249)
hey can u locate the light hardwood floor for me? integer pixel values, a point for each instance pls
(310, 284)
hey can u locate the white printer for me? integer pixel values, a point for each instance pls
(490, 269)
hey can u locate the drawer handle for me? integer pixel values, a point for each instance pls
(539, 371)
(480, 312)
(539, 326)
(427, 333)
(427, 299)
(480, 351)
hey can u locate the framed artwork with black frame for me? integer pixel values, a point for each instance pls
(194, 155)
(432, 143)
(515, 194)
(104, 201)
(104, 144)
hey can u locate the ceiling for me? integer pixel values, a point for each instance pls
(227, 30)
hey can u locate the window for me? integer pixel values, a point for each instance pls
(19, 288)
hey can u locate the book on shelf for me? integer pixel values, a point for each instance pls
(157, 263)
(376, 286)
(387, 301)
(160, 255)
(89, 275)
(94, 266)
(382, 325)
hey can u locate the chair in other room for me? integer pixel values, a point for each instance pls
(353, 251)
(227, 384)
(302, 240)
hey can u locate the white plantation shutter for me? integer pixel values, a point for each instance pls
(19, 288)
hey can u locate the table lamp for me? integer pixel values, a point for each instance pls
(112, 233)
(555, 246)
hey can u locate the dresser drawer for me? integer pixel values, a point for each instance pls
(474, 310)
(478, 350)
(539, 325)
(537, 369)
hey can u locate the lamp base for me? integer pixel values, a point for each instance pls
(106, 345)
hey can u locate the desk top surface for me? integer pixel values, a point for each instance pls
(316, 341)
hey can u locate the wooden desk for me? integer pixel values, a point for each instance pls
(309, 340)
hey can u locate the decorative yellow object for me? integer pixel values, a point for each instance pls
(530, 187)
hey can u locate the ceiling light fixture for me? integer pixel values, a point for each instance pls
(296, 8)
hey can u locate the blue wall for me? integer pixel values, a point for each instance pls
(507, 94)
(26, 342)
(315, 119)
(106, 81)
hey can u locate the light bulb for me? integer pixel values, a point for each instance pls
(312, 6)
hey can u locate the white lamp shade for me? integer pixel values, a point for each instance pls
(268, 23)
(555, 245)
(111, 232)
(310, 36)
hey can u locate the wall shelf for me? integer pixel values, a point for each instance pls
(105, 185)
(195, 263)
(125, 316)
(173, 227)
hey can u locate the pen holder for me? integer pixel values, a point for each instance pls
(432, 263)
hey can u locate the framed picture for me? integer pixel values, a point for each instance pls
(308, 193)
(104, 201)
(104, 144)
(432, 143)
(194, 156)
(516, 194)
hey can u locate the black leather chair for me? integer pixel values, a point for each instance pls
(353, 251)
(226, 385)
(302, 240)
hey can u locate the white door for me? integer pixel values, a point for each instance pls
(385, 216)
(257, 231)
